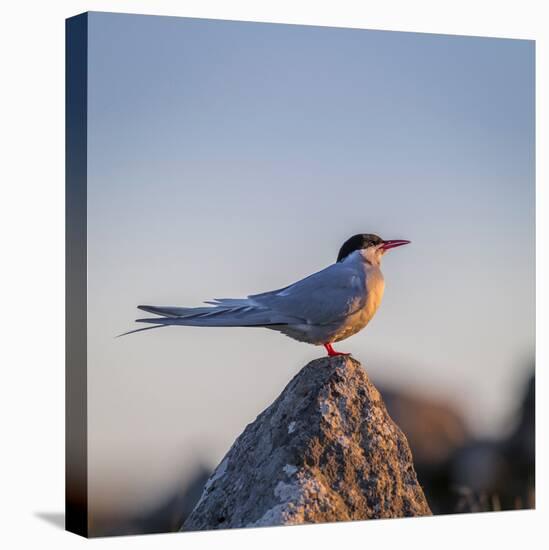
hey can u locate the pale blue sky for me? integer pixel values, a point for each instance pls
(229, 158)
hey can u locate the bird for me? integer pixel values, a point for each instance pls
(321, 309)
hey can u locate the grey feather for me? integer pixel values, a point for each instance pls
(139, 330)
(224, 319)
(243, 315)
(322, 298)
(327, 306)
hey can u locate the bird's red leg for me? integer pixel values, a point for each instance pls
(332, 352)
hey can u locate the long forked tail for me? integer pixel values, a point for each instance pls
(139, 330)
(222, 313)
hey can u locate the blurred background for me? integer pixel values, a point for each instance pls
(229, 158)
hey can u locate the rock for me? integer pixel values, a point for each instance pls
(165, 516)
(435, 429)
(520, 446)
(499, 474)
(325, 450)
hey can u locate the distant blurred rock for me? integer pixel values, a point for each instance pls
(499, 474)
(325, 450)
(462, 473)
(170, 514)
(435, 431)
(520, 451)
(478, 466)
(166, 516)
(520, 446)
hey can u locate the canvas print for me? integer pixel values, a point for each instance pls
(300, 274)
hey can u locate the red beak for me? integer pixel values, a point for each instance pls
(387, 245)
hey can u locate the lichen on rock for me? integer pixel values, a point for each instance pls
(324, 450)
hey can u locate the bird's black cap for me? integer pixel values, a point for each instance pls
(358, 242)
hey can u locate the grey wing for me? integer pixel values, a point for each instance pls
(322, 298)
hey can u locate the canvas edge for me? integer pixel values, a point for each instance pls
(76, 448)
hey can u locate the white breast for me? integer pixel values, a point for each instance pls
(375, 285)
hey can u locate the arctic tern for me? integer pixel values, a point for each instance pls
(320, 309)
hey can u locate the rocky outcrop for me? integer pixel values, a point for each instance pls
(325, 450)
